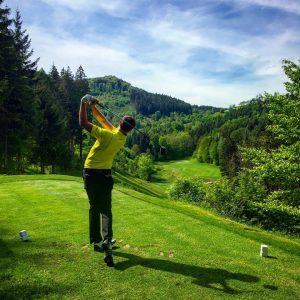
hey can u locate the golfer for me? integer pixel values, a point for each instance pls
(97, 174)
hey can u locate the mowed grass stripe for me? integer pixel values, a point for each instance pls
(169, 171)
(163, 254)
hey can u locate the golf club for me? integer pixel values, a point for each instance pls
(105, 107)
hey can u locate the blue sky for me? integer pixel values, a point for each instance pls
(206, 52)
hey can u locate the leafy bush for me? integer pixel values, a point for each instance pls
(274, 215)
(144, 166)
(219, 196)
(287, 197)
(191, 190)
(245, 199)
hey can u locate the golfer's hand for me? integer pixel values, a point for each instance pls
(94, 101)
(86, 99)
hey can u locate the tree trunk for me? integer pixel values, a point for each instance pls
(42, 168)
(5, 154)
(18, 162)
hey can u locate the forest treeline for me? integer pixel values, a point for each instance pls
(144, 102)
(38, 110)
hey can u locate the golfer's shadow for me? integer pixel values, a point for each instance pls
(207, 277)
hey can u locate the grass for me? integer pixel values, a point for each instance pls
(165, 249)
(169, 171)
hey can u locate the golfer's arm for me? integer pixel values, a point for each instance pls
(101, 118)
(83, 121)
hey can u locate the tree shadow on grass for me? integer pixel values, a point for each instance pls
(215, 279)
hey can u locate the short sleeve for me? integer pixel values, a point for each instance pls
(97, 132)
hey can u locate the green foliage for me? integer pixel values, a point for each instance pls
(145, 166)
(202, 153)
(249, 187)
(279, 167)
(123, 161)
(149, 103)
(38, 112)
(292, 71)
(245, 199)
(51, 144)
(178, 145)
(191, 190)
(266, 191)
(286, 197)
(223, 133)
(18, 104)
(274, 215)
(109, 85)
(220, 197)
(141, 165)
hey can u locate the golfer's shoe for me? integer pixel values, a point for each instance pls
(98, 247)
(108, 259)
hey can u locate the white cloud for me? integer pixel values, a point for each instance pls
(99, 61)
(184, 34)
(112, 7)
(202, 91)
(70, 51)
(292, 6)
(158, 52)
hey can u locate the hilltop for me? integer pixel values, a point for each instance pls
(121, 93)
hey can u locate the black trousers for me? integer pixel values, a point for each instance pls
(99, 185)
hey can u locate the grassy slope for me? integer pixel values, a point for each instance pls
(166, 250)
(168, 171)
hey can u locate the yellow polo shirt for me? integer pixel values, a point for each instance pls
(108, 143)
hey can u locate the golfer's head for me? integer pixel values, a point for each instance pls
(127, 123)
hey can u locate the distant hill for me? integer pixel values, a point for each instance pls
(122, 93)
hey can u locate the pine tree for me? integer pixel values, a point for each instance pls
(54, 75)
(7, 66)
(52, 144)
(81, 88)
(65, 90)
(23, 48)
(22, 99)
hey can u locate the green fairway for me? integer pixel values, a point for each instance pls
(165, 249)
(169, 171)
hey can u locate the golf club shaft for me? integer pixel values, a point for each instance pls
(100, 105)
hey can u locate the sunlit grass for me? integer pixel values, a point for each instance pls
(167, 172)
(166, 250)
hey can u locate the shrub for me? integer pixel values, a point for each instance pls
(220, 196)
(191, 190)
(287, 197)
(274, 215)
(243, 199)
(145, 166)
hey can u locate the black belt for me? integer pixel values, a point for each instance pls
(97, 171)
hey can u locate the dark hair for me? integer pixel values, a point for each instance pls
(127, 123)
